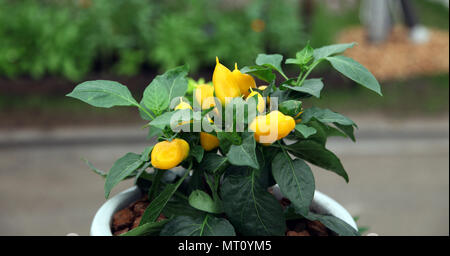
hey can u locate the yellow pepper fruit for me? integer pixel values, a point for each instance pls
(262, 88)
(244, 81)
(208, 141)
(271, 127)
(225, 85)
(169, 154)
(183, 105)
(261, 104)
(204, 95)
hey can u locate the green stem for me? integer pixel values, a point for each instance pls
(309, 71)
(145, 111)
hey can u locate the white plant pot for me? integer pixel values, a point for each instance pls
(101, 225)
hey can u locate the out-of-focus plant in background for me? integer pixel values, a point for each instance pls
(71, 38)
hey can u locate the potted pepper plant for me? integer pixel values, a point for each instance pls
(229, 157)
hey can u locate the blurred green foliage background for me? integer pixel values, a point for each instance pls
(71, 38)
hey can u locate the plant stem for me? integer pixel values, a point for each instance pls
(309, 71)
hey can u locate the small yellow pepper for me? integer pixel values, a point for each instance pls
(244, 81)
(262, 88)
(225, 86)
(208, 141)
(271, 127)
(183, 105)
(261, 104)
(169, 154)
(204, 95)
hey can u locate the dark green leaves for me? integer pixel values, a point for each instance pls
(251, 209)
(317, 154)
(213, 163)
(355, 71)
(303, 57)
(102, 93)
(309, 86)
(263, 73)
(244, 154)
(164, 88)
(123, 167)
(202, 201)
(198, 226)
(335, 224)
(329, 50)
(325, 116)
(295, 179)
(306, 131)
(290, 107)
(272, 61)
(157, 205)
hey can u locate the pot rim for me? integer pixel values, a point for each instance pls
(101, 224)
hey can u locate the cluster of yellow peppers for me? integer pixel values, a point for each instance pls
(227, 85)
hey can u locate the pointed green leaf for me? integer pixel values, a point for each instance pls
(250, 208)
(355, 71)
(103, 93)
(244, 154)
(271, 60)
(309, 86)
(153, 211)
(202, 201)
(206, 225)
(295, 179)
(335, 224)
(317, 154)
(306, 131)
(329, 50)
(123, 167)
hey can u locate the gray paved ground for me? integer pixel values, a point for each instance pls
(399, 176)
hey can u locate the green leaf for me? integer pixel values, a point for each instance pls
(295, 179)
(162, 121)
(250, 208)
(148, 229)
(227, 139)
(309, 86)
(154, 131)
(355, 71)
(153, 211)
(178, 206)
(156, 96)
(305, 55)
(335, 224)
(329, 50)
(347, 129)
(271, 60)
(302, 57)
(197, 151)
(290, 107)
(213, 163)
(202, 201)
(102, 93)
(123, 167)
(164, 88)
(145, 156)
(199, 226)
(244, 154)
(260, 72)
(325, 116)
(306, 131)
(317, 154)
